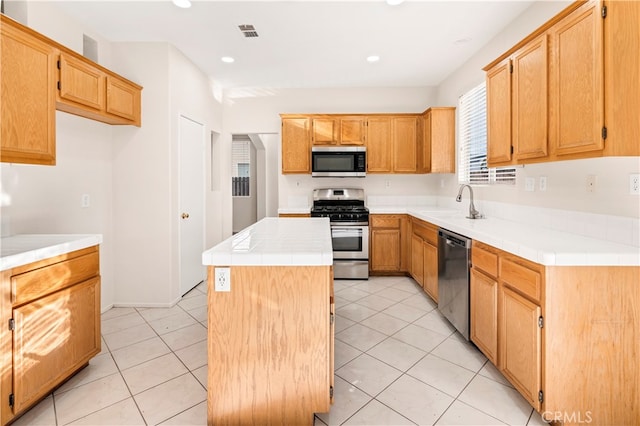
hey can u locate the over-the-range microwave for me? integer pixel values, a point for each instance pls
(338, 161)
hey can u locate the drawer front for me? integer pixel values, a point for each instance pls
(39, 282)
(521, 278)
(385, 221)
(484, 260)
(426, 231)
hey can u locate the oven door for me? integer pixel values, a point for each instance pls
(350, 241)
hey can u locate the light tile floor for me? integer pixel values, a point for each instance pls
(397, 361)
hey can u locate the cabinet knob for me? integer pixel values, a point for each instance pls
(185, 215)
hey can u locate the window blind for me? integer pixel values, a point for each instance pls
(472, 130)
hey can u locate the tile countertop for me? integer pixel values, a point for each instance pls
(538, 244)
(276, 242)
(23, 249)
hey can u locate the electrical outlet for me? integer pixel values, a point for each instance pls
(86, 201)
(592, 180)
(542, 183)
(634, 184)
(387, 184)
(530, 184)
(223, 279)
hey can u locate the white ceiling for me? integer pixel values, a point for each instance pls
(312, 44)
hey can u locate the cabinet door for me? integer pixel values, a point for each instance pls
(417, 259)
(578, 81)
(405, 144)
(28, 78)
(53, 337)
(385, 250)
(379, 142)
(81, 83)
(442, 140)
(426, 142)
(430, 270)
(352, 131)
(499, 114)
(520, 350)
(123, 100)
(325, 131)
(484, 314)
(530, 100)
(296, 151)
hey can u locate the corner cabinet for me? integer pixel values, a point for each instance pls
(39, 76)
(566, 91)
(52, 308)
(296, 144)
(566, 337)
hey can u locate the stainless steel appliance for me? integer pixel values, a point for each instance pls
(338, 161)
(454, 260)
(349, 220)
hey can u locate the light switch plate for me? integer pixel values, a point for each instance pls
(223, 279)
(530, 184)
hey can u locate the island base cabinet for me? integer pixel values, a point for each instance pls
(53, 337)
(269, 347)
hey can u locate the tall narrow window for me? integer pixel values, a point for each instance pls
(240, 166)
(472, 128)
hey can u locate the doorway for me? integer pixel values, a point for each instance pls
(254, 168)
(192, 194)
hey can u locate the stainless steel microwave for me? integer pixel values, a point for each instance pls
(338, 161)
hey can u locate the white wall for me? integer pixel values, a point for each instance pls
(258, 112)
(566, 180)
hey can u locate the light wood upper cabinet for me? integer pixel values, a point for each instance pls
(530, 100)
(353, 131)
(572, 93)
(338, 130)
(439, 140)
(405, 144)
(39, 76)
(379, 147)
(296, 144)
(90, 91)
(578, 81)
(498, 80)
(324, 131)
(81, 83)
(28, 92)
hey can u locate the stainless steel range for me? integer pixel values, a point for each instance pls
(349, 219)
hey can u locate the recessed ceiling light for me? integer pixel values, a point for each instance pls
(373, 58)
(394, 2)
(227, 59)
(184, 4)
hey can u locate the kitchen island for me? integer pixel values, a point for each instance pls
(270, 328)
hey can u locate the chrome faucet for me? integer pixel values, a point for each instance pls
(473, 213)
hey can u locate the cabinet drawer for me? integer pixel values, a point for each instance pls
(426, 231)
(385, 221)
(521, 278)
(42, 281)
(484, 260)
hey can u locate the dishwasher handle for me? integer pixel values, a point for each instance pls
(454, 240)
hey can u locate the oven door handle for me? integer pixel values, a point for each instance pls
(348, 230)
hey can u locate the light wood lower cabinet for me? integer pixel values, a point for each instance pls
(389, 244)
(566, 337)
(424, 256)
(53, 310)
(299, 215)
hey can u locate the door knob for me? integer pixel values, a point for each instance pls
(185, 215)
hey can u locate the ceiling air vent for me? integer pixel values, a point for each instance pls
(248, 30)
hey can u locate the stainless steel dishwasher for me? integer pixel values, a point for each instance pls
(454, 259)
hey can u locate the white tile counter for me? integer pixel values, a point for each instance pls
(536, 243)
(23, 249)
(276, 242)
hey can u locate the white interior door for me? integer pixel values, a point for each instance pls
(191, 204)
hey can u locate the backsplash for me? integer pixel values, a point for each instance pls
(617, 229)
